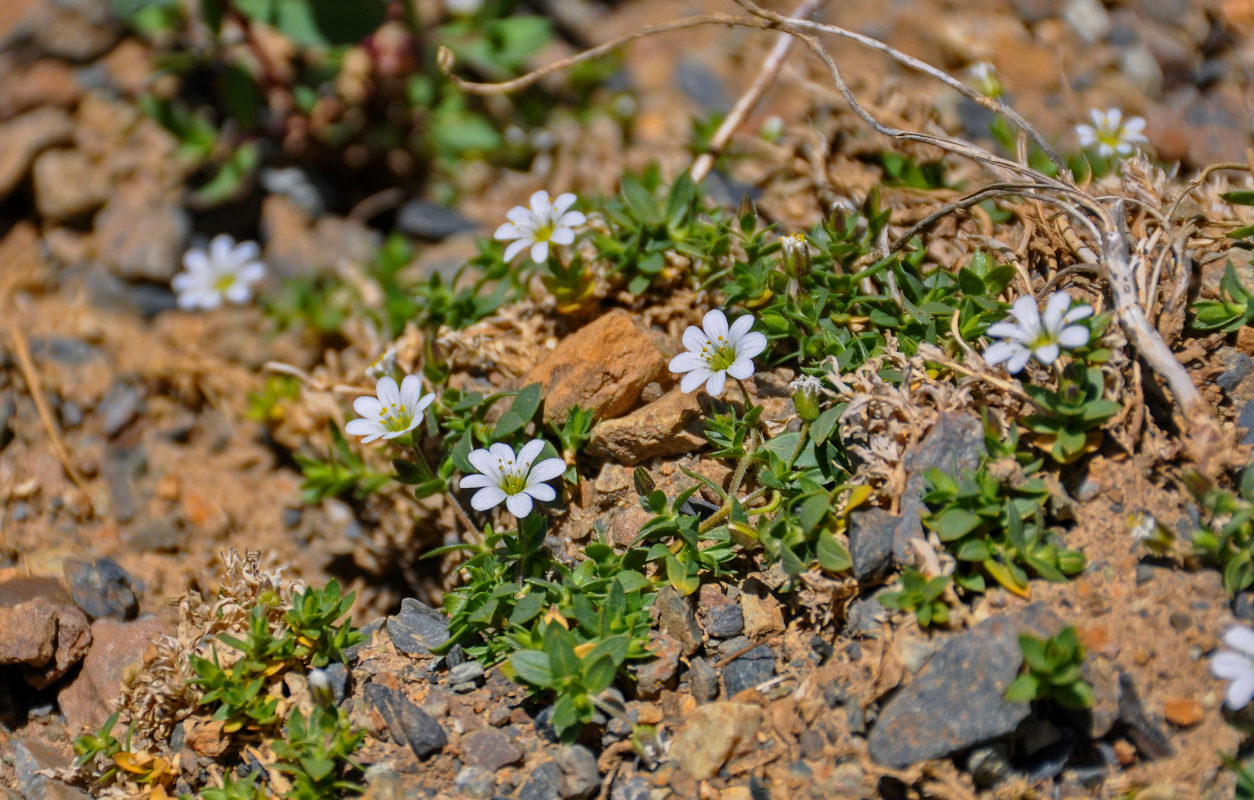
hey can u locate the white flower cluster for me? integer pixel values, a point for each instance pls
(1236, 665)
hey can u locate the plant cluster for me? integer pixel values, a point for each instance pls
(1224, 538)
(1053, 669)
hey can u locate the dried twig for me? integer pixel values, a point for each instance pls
(22, 349)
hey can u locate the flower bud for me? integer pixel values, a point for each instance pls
(320, 687)
(805, 396)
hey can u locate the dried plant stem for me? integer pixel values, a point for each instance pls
(765, 77)
(29, 374)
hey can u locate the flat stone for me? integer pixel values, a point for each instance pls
(871, 536)
(119, 407)
(68, 184)
(602, 367)
(407, 723)
(490, 749)
(41, 629)
(543, 783)
(671, 425)
(24, 138)
(763, 616)
(32, 756)
(710, 735)
(141, 233)
(659, 673)
(101, 589)
(117, 651)
(702, 679)
(580, 775)
(676, 618)
(749, 670)
(418, 628)
(474, 782)
(296, 244)
(954, 443)
(432, 221)
(957, 701)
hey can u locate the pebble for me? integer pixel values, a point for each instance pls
(724, 621)
(119, 408)
(636, 787)
(474, 782)
(117, 649)
(710, 734)
(1183, 712)
(467, 672)
(749, 670)
(407, 723)
(490, 749)
(101, 589)
(654, 676)
(543, 783)
(871, 536)
(581, 777)
(418, 628)
(41, 629)
(337, 676)
(30, 758)
(676, 618)
(141, 235)
(702, 680)
(432, 221)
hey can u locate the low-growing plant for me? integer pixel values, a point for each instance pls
(1224, 538)
(1052, 670)
(312, 619)
(316, 753)
(1068, 419)
(1233, 311)
(342, 472)
(922, 595)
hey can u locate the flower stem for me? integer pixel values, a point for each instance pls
(460, 512)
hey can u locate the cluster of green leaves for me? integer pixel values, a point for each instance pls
(920, 595)
(304, 635)
(1233, 311)
(568, 630)
(677, 542)
(269, 404)
(996, 530)
(342, 472)
(316, 753)
(1052, 670)
(1225, 536)
(1068, 419)
(458, 302)
(101, 746)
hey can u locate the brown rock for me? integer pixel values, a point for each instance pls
(763, 615)
(68, 184)
(118, 649)
(140, 232)
(129, 67)
(710, 735)
(295, 245)
(671, 425)
(75, 35)
(1183, 712)
(625, 524)
(490, 749)
(41, 629)
(25, 137)
(44, 83)
(603, 366)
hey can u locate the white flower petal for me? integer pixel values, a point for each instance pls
(368, 407)
(529, 452)
(1230, 666)
(1055, 307)
(1080, 312)
(476, 481)
(739, 328)
(411, 390)
(695, 339)
(1006, 330)
(364, 427)
(546, 470)
(518, 504)
(741, 368)
(1026, 312)
(563, 202)
(540, 252)
(196, 261)
(1240, 638)
(1047, 353)
(220, 248)
(542, 492)
(686, 362)
(387, 391)
(714, 386)
(507, 231)
(502, 453)
(540, 205)
(423, 402)
(1239, 692)
(999, 352)
(562, 236)
(516, 248)
(715, 324)
(572, 219)
(183, 281)
(1018, 360)
(1073, 336)
(751, 344)
(1134, 126)
(487, 497)
(247, 251)
(238, 293)
(252, 272)
(485, 462)
(694, 379)
(522, 217)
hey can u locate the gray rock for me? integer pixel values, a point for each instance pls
(64, 350)
(1145, 732)
(871, 535)
(1237, 367)
(161, 535)
(119, 407)
(30, 757)
(418, 629)
(407, 723)
(337, 676)
(474, 782)
(749, 670)
(71, 414)
(141, 236)
(544, 783)
(294, 184)
(702, 86)
(490, 749)
(101, 589)
(724, 621)
(581, 777)
(637, 787)
(955, 443)
(1246, 420)
(121, 468)
(469, 672)
(1088, 18)
(677, 619)
(958, 701)
(432, 221)
(654, 676)
(866, 616)
(702, 679)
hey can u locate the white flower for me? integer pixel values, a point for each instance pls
(986, 79)
(396, 411)
(1110, 133)
(716, 351)
(513, 479)
(1236, 665)
(224, 270)
(1141, 526)
(535, 227)
(320, 686)
(794, 245)
(1037, 336)
(384, 365)
(807, 383)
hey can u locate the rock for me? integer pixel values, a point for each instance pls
(1246, 420)
(749, 670)
(294, 184)
(407, 723)
(762, 615)
(871, 536)
(467, 672)
(418, 629)
(1200, 128)
(474, 782)
(68, 184)
(117, 652)
(119, 407)
(671, 425)
(1237, 366)
(122, 467)
(41, 629)
(702, 680)
(1183, 712)
(957, 701)
(955, 443)
(724, 621)
(654, 676)
(101, 589)
(1150, 739)
(602, 367)
(580, 776)
(544, 783)
(44, 83)
(490, 749)
(676, 618)
(702, 86)
(295, 245)
(75, 36)
(141, 234)
(710, 734)
(625, 524)
(161, 535)
(637, 787)
(1088, 18)
(24, 138)
(30, 758)
(432, 221)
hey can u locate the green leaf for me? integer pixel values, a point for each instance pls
(1241, 197)
(823, 427)
(1024, 689)
(562, 658)
(831, 554)
(527, 401)
(953, 523)
(599, 675)
(533, 667)
(640, 201)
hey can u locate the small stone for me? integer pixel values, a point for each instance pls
(1183, 712)
(41, 629)
(580, 776)
(954, 443)
(474, 782)
(871, 536)
(989, 766)
(24, 138)
(161, 535)
(724, 621)
(1150, 739)
(1237, 366)
(866, 616)
(677, 619)
(31, 757)
(74, 35)
(294, 184)
(432, 221)
(601, 367)
(1088, 18)
(101, 589)
(543, 783)
(297, 245)
(140, 234)
(119, 407)
(418, 628)
(659, 673)
(671, 425)
(68, 184)
(636, 787)
(117, 651)
(337, 676)
(490, 749)
(468, 672)
(710, 735)
(407, 723)
(762, 615)
(749, 670)
(702, 680)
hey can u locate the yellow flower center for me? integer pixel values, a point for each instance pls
(718, 353)
(224, 282)
(395, 417)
